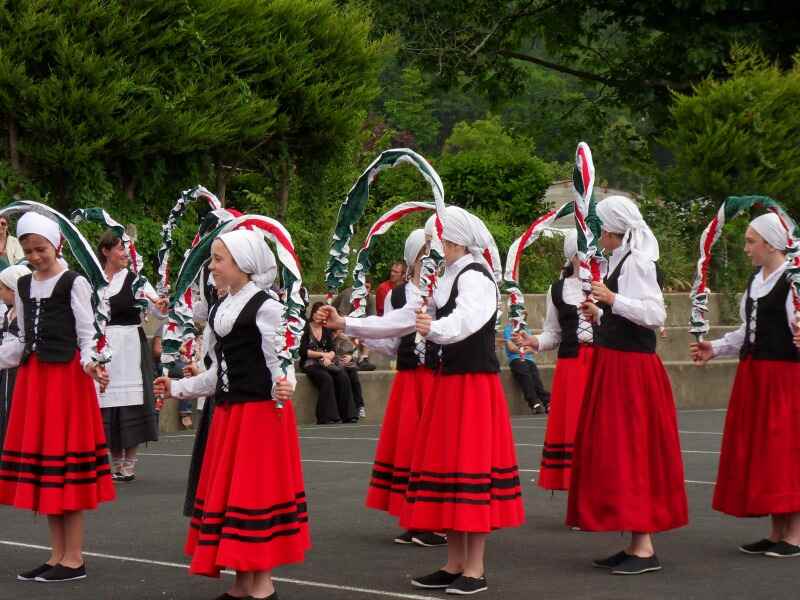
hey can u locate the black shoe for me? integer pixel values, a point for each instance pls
(365, 365)
(611, 561)
(273, 596)
(467, 585)
(227, 596)
(61, 573)
(537, 408)
(435, 581)
(34, 573)
(636, 565)
(783, 550)
(404, 538)
(429, 539)
(759, 547)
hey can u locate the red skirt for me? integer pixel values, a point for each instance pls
(250, 510)
(759, 467)
(627, 473)
(464, 474)
(569, 385)
(387, 487)
(55, 458)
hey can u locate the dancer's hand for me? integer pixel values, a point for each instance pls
(99, 374)
(602, 293)
(333, 320)
(423, 323)
(162, 304)
(523, 339)
(191, 369)
(591, 311)
(162, 387)
(283, 390)
(701, 352)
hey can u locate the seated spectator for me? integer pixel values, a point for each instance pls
(526, 373)
(397, 275)
(344, 348)
(317, 359)
(343, 304)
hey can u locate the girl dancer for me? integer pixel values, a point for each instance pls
(566, 328)
(55, 458)
(758, 467)
(628, 472)
(250, 510)
(9, 330)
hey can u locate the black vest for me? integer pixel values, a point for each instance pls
(56, 339)
(773, 337)
(477, 353)
(406, 357)
(242, 374)
(122, 305)
(567, 320)
(618, 333)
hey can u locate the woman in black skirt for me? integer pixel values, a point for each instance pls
(318, 360)
(127, 404)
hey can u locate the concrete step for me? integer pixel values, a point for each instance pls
(693, 387)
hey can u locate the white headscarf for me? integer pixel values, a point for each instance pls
(621, 215)
(33, 222)
(415, 242)
(465, 229)
(10, 275)
(430, 226)
(570, 244)
(769, 227)
(252, 255)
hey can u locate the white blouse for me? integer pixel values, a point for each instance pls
(731, 342)
(639, 298)
(551, 335)
(268, 320)
(81, 304)
(475, 305)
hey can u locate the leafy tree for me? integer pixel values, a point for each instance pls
(410, 109)
(738, 136)
(637, 50)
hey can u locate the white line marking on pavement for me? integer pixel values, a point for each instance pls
(302, 582)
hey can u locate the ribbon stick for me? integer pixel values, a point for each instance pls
(586, 222)
(730, 209)
(382, 225)
(516, 299)
(352, 209)
(82, 251)
(175, 215)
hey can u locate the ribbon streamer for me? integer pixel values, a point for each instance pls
(352, 209)
(516, 299)
(586, 224)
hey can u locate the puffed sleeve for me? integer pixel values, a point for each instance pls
(204, 383)
(81, 304)
(268, 321)
(639, 298)
(551, 335)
